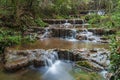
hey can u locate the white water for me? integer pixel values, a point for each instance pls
(49, 58)
(46, 33)
(66, 24)
(104, 73)
(58, 71)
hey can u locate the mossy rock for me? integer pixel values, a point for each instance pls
(83, 75)
(84, 64)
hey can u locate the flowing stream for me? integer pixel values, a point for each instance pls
(54, 68)
(60, 70)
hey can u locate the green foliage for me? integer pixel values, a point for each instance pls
(104, 21)
(115, 57)
(116, 19)
(40, 23)
(8, 41)
(11, 38)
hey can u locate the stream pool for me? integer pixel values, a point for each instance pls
(50, 43)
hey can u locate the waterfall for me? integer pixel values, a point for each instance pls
(66, 24)
(46, 33)
(83, 23)
(68, 56)
(74, 22)
(74, 32)
(50, 57)
(101, 12)
(60, 24)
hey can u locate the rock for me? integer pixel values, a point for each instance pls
(68, 55)
(81, 37)
(57, 32)
(103, 41)
(118, 50)
(17, 64)
(15, 60)
(38, 62)
(93, 50)
(91, 39)
(89, 65)
(62, 21)
(99, 31)
(18, 59)
(104, 38)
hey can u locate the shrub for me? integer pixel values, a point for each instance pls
(40, 23)
(115, 58)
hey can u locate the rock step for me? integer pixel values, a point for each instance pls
(62, 21)
(19, 59)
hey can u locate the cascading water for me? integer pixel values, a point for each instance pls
(87, 33)
(66, 24)
(74, 22)
(50, 58)
(46, 33)
(73, 37)
(83, 22)
(74, 32)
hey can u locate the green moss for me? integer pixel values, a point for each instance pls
(83, 75)
(85, 64)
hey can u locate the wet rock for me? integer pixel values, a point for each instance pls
(103, 41)
(57, 32)
(68, 55)
(15, 60)
(19, 59)
(89, 65)
(97, 31)
(38, 62)
(81, 37)
(93, 50)
(16, 64)
(97, 56)
(62, 21)
(38, 57)
(104, 38)
(91, 39)
(100, 31)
